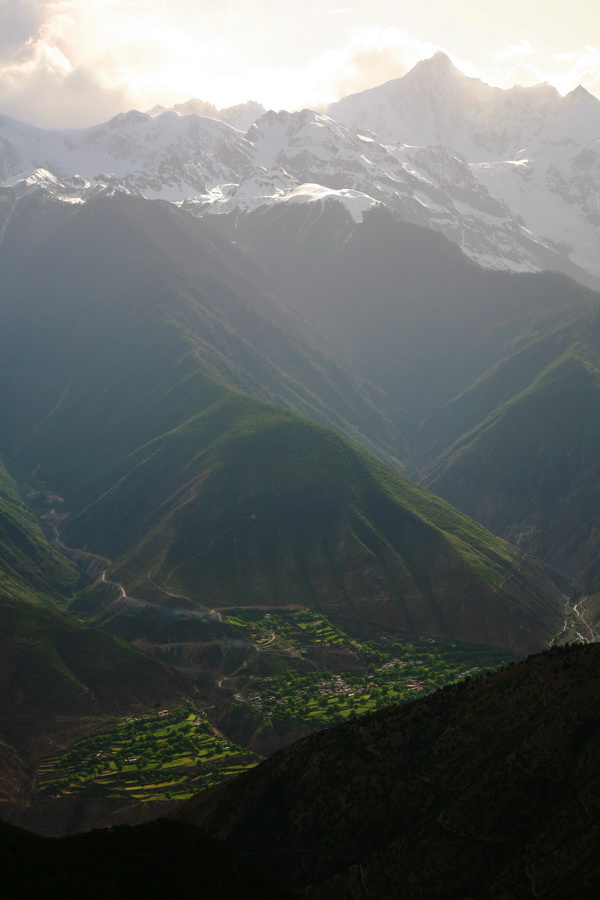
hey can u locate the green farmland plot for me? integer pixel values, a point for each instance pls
(167, 755)
(298, 629)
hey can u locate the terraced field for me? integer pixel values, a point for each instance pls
(169, 755)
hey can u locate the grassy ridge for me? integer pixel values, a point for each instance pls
(247, 503)
(530, 469)
(58, 678)
(50, 662)
(495, 372)
(107, 348)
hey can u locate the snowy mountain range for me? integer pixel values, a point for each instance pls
(511, 176)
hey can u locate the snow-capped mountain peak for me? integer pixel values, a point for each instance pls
(435, 103)
(512, 176)
(435, 69)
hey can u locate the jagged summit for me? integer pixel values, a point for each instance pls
(541, 92)
(578, 94)
(439, 64)
(436, 103)
(439, 59)
(134, 116)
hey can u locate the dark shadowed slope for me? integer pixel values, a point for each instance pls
(487, 789)
(148, 862)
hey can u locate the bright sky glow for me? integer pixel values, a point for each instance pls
(70, 63)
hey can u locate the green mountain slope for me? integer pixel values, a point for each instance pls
(248, 505)
(496, 373)
(530, 469)
(132, 312)
(29, 568)
(140, 356)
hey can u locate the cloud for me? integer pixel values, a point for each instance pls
(582, 68)
(81, 63)
(524, 74)
(53, 75)
(563, 70)
(521, 48)
(19, 21)
(71, 63)
(369, 57)
(68, 63)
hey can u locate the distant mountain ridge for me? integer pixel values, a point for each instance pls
(511, 176)
(240, 116)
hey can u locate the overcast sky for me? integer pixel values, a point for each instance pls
(71, 63)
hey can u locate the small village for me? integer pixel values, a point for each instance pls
(322, 698)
